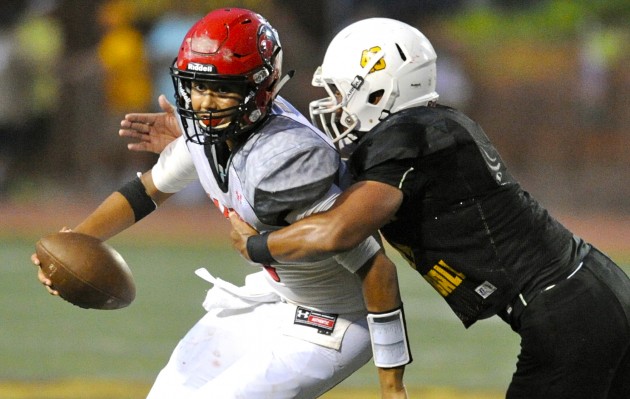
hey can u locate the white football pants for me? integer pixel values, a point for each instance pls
(241, 353)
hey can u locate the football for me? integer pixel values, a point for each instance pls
(86, 271)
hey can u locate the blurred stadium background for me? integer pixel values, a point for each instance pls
(547, 79)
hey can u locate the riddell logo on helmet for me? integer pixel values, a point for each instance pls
(193, 66)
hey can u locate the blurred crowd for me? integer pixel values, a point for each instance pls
(70, 70)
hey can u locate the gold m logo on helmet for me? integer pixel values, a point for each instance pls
(367, 54)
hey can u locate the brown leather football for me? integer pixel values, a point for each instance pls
(86, 271)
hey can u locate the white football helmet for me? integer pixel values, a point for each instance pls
(372, 68)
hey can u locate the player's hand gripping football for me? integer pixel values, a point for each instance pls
(41, 277)
(241, 231)
(153, 131)
(40, 273)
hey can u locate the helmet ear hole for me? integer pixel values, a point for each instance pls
(376, 96)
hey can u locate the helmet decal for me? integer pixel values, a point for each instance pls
(358, 97)
(366, 55)
(204, 45)
(207, 68)
(267, 43)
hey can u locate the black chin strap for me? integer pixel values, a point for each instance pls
(218, 155)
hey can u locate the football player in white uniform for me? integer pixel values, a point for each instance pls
(293, 330)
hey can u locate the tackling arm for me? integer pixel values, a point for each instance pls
(358, 213)
(382, 299)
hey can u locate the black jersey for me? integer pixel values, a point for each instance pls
(465, 223)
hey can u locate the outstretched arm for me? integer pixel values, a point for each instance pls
(358, 213)
(153, 131)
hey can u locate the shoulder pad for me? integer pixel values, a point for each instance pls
(285, 170)
(405, 135)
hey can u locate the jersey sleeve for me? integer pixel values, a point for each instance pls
(391, 153)
(174, 169)
(355, 258)
(294, 179)
(386, 155)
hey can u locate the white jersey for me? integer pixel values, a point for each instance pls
(284, 172)
(291, 331)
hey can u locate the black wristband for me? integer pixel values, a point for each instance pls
(135, 193)
(257, 249)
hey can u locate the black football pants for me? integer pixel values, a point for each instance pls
(575, 337)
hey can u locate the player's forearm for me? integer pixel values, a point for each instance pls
(391, 382)
(357, 214)
(123, 208)
(381, 292)
(110, 218)
(308, 240)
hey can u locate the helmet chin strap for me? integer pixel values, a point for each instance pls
(282, 82)
(358, 80)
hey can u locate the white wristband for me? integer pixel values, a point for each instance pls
(390, 346)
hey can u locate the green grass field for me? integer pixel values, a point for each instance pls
(48, 346)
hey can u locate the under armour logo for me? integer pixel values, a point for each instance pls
(302, 314)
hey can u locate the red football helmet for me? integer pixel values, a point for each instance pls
(233, 47)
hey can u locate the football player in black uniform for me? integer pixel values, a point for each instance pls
(428, 177)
